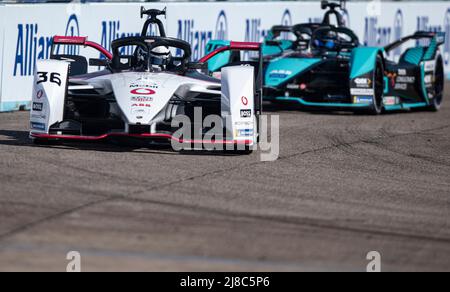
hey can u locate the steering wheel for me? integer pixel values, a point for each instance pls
(330, 38)
(141, 55)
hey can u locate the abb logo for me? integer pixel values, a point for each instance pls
(141, 105)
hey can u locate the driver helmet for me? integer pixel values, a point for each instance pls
(160, 56)
(328, 41)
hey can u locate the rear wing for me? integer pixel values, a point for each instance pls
(437, 37)
(224, 47)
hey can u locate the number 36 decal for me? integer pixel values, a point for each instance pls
(43, 77)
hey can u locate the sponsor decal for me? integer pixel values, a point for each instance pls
(402, 72)
(153, 86)
(430, 65)
(245, 133)
(38, 126)
(244, 100)
(281, 74)
(401, 86)
(362, 99)
(362, 91)
(246, 113)
(141, 99)
(140, 105)
(139, 112)
(428, 79)
(246, 124)
(142, 91)
(406, 79)
(39, 94)
(390, 100)
(38, 106)
(363, 82)
(392, 77)
(39, 117)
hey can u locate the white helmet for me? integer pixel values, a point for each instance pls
(160, 56)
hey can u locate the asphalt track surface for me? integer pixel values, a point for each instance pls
(344, 185)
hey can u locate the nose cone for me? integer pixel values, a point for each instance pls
(141, 96)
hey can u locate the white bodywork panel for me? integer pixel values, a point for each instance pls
(142, 96)
(49, 91)
(238, 102)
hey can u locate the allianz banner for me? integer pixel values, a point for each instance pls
(28, 29)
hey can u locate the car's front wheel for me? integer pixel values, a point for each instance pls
(438, 86)
(378, 87)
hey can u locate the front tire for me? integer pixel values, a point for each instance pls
(378, 87)
(438, 86)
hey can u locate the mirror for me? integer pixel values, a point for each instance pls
(98, 62)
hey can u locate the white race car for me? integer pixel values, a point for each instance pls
(154, 94)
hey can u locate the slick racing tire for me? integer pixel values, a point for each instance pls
(438, 86)
(378, 86)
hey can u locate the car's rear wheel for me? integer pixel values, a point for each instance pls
(438, 86)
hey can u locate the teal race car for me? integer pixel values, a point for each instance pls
(331, 70)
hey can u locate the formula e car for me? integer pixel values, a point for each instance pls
(336, 72)
(152, 94)
(341, 74)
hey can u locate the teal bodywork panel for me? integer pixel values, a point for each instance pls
(281, 70)
(413, 56)
(274, 50)
(221, 59)
(431, 51)
(218, 61)
(363, 61)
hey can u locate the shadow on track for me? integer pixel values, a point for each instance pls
(281, 107)
(21, 138)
